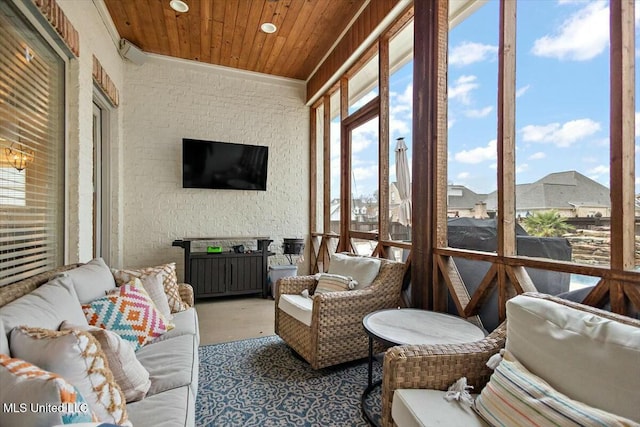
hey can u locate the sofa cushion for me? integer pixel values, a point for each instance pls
(129, 312)
(514, 396)
(333, 283)
(24, 384)
(154, 285)
(567, 347)
(128, 372)
(91, 280)
(173, 408)
(426, 408)
(184, 323)
(171, 363)
(362, 269)
(76, 356)
(45, 307)
(170, 282)
(297, 306)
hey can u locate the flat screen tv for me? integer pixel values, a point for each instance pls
(223, 165)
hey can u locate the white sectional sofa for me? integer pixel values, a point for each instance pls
(171, 359)
(588, 358)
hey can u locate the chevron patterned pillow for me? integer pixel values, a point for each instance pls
(129, 312)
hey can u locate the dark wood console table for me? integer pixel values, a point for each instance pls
(226, 273)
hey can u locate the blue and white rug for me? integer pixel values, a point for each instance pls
(259, 382)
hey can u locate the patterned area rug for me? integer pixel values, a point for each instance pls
(260, 382)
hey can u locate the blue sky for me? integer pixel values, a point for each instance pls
(562, 104)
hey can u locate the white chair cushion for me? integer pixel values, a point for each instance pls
(583, 356)
(426, 408)
(362, 269)
(297, 306)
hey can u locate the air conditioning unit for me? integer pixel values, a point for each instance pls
(132, 52)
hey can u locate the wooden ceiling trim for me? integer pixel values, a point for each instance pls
(364, 25)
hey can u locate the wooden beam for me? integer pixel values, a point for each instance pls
(440, 162)
(383, 138)
(452, 278)
(622, 134)
(486, 286)
(520, 279)
(616, 297)
(326, 163)
(313, 170)
(506, 189)
(596, 297)
(345, 169)
(430, 23)
(632, 291)
(503, 295)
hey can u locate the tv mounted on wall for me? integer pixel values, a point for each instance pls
(223, 165)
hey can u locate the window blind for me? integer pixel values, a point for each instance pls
(31, 139)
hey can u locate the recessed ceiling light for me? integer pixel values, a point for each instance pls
(268, 27)
(179, 5)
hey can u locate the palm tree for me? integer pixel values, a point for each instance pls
(546, 224)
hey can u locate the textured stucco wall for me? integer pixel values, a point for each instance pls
(167, 100)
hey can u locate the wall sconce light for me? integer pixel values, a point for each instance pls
(20, 157)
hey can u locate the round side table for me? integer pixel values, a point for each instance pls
(412, 326)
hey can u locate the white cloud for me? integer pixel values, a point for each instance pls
(581, 37)
(598, 171)
(469, 52)
(493, 166)
(562, 135)
(476, 114)
(462, 88)
(478, 154)
(401, 111)
(637, 119)
(522, 91)
(521, 168)
(450, 123)
(537, 156)
(463, 175)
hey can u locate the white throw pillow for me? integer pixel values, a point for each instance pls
(333, 283)
(26, 387)
(91, 280)
(75, 356)
(154, 285)
(362, 269)
(128, 372)
(45, 307)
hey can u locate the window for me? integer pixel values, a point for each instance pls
(31, 150)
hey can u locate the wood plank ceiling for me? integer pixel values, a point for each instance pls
(227, 32)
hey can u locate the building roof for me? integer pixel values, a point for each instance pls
(460, 197)
(558, 190)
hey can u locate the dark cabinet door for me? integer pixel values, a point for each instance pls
(208, 276)
(246, 274)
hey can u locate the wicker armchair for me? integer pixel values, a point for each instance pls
(336, 334)
(437, 366)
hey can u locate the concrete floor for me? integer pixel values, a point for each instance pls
(234, 318)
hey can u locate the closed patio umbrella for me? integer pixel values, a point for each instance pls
(403, 183)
